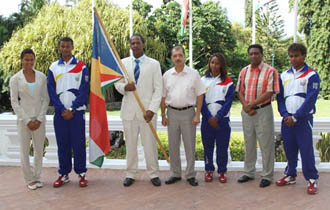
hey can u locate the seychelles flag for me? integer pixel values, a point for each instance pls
(184, 16)
(105, 71)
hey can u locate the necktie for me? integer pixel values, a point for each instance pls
(136, 71)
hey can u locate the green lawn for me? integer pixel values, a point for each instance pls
(322, 109)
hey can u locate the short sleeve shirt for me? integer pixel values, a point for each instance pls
(181, 89)
(254, 82)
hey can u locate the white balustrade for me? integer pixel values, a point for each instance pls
(9, 145)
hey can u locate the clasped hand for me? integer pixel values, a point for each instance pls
(34, 125)
(67, 114)
(249, 110)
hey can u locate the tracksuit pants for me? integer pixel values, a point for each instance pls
(300, 137)
(70, 137)
(220, 136)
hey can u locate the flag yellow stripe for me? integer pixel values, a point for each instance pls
(95, 78)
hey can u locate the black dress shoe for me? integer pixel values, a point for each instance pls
(156, 181)
(128, 182)
(192, 181)
(264, 183)
(172, 180)
(244, 178)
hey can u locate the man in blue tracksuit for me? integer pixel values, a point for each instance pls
(68, 91)
(299, 87)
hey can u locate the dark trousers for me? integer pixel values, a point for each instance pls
(300, 137)
(70, 137)
(220, 137)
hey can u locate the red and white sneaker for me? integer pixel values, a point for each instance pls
(61, 180)
(222, 178)
(83, 181)
(312, 186)
(208, 176)
(286, 180)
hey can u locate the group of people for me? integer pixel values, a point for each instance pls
(182, 96)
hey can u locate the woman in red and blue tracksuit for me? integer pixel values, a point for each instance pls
(215, 126)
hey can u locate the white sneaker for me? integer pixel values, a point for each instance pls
(39, 184)
(32, 186)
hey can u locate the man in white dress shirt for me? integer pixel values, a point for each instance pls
(147, 81)
(182, 91)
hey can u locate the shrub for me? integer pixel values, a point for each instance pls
(237, 150)
(323, 145)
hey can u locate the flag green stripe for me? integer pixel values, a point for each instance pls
(99, 161)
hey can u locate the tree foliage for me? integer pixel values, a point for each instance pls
(270, 34)
(55, 21)
(248, 13)
(210, 35)
(314, 22)
(142, 7)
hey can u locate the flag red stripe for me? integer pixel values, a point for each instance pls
(107, 77)
(98, 123)
(185, 16)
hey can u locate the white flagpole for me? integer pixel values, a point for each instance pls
(131, 22)
(131, 18)
(253, 22)
(295, 21)
(190, 35)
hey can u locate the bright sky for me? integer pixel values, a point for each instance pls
(235, 9)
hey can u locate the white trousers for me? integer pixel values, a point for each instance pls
(132, 129)
(31, 173)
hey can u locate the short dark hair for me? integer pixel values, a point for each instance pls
(138, 35)
(178, 47)
(65, 39)
(256, 46)
(298, 47)
(27, 51)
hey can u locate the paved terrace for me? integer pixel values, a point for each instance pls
(105, 191)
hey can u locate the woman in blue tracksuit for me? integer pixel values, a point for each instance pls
(215, 121)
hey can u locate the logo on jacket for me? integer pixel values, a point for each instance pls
(315, 85)
(303, 82)
(77, 78)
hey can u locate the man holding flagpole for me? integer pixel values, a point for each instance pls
(148, 84)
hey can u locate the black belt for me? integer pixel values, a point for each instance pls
(261, 106)
(180, 109)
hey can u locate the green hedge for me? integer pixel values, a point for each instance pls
(236, 148)
(236, 145)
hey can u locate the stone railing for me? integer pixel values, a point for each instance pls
(9, 145)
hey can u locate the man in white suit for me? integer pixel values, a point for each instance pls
(146, 77)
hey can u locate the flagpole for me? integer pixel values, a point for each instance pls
(131, 18)
(190, 35)
(253, 22)
(295, 21)
(131, 22)
(134, 92)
